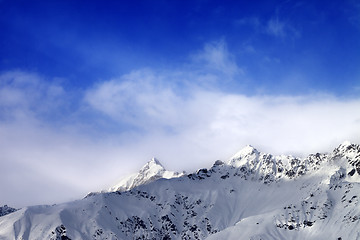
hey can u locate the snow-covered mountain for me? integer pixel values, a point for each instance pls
(151, 171)
(252, 196)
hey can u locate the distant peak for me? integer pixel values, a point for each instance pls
(242, 156)
(347, 147)
(249, 147)
(154, 160)
(150, 172)
(218, 163)
(345, 144)
(153, 164)
(247, 150)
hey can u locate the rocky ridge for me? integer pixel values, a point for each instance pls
(4, 210)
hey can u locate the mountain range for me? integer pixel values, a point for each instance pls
(253, 195)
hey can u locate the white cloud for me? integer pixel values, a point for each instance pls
(134, 97)
(24, 94)
(151, 95)
(218, 123)
(123, 122)
(216, 57)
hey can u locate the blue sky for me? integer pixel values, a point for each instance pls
(299, 46)
(90, 92)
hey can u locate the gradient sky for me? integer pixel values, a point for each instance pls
(91, 91)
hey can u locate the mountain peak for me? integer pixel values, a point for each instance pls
(247, 150)
(346, 148)
(154, 162)
(150, 172)
(243, 156)
(152, 167)
(347, 145)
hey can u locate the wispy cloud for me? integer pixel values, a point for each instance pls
(273, 26)
(277, 123)
(281, 29)
(276, 27)
(216, 57)
(136, 97)
(23, 95)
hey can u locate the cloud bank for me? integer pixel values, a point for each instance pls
(58, 144)
(281, 124)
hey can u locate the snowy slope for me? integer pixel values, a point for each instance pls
(252, 196)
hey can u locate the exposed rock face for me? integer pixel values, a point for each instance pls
(351, 152)
(4, 210)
